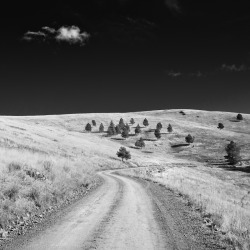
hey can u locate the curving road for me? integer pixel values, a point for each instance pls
(121, 214)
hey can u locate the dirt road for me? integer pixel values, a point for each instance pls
(122, 214)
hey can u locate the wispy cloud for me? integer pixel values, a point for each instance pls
(234, 68)
(173, 73)
(69, 34)
(173, 5)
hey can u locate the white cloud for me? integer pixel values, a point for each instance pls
(233, 67)
(174, 74)
(72, 34)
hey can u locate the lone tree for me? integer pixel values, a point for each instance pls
(170, 129)
(189, 138)
(159, 126)
(88, 127)
(158, 133)
(111, 129)
(123, 153)
(233, 153)
(125, 133)
(140, 143)
(93, 123)
(220, 126)
(145, 122)
(101, 128)
(138, 129)
(121, 123)
(239, 117)
(182, 112)
(132, 121)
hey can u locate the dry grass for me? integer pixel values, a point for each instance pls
(58, 147)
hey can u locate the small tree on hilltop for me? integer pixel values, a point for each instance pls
(123, 153)
(239, 117)
(220, 126)
(117, 129)
(170, 129)
(138, 129)
(145, 122)
(159, 126)
(132, 121)
(189, 138)
(127, 127)
(93, 122)
(121, 123)
(101, 128)
(88, 127)
(111, 129)
(140, 143)
(125, 133)
(233, 153)
(158, 133)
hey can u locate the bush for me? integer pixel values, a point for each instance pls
(220, 126)
(145, 122)
(138, 129)
(93, 123)
(159, 126)
(170, 129)
(239, 117)
(158, 133)
(132, 121)
(123, 153)
(111, 129)
(13, 166)
(88, 127)
(125, 133)
(189, 138)
(101, 128)
(233, 153)
(140, 143)
(182, 112)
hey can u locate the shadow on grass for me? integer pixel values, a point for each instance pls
(132, 134)
(234, 120)
(134, 147)
(233, 168)
(150, 139)
(180, 145)
(148, 152)
(118, 139)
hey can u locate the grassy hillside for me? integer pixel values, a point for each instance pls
(67, 158)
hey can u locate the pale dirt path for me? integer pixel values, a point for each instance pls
(119, 215)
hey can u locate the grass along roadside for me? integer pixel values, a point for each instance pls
(226, 205)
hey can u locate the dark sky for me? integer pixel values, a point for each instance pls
(124, 55)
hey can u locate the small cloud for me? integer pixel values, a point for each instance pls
(174, 74)
(71, 35)
(173, 5)
(197, 74)
(234, 68)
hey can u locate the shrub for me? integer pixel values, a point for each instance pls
(123, 153)
(111, 129)
(159, 126)
(137, 129)
(13, 166)
(101, 128)
(182, 112)
(170, 129)
(158, 133)
(11, 191)
(233, 153)
(189, 138)
(145, 122)
(239, 117)
(93, 123)
(125, 133)
(132, 121)
(220, 126)
(88, 127)
(140, 143)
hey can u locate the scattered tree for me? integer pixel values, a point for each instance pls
(138, 129)
(123, 153)
(117, 129)
(145, 122)
(140, 143)
(93, 123)
(111, 129)
(239, 117)
(220, 126)
(233, 153)
(101, 128)
(158, 133)
(121, 123)
(159, 126)
(125, 133)
(127, 127)
(170, 129)
(88, 127)
(132, 121)
(189, 138)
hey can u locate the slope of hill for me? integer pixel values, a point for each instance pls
(46, 158)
